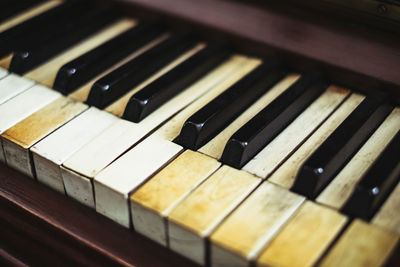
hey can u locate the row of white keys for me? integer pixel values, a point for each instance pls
(23, 105)
(80, 169)
(12, 85)
(114, 183)
(339, 190)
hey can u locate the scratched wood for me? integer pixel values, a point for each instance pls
(82, 93)
(47, 72)
(197, 216)
(268, 159)
(340, 189)
(286, 174)
(361, 245)
(18, 139)
(244, 234)
(304, 238)
(30, 13)
(153, 201)
(215, 146)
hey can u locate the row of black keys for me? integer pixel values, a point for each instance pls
(71, 22)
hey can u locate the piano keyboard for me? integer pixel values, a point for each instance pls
(227, 159)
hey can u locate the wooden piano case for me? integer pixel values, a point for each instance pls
(40, 226)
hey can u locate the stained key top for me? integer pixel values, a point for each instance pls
(27, 58)
(341, 145)
(377, 183)
(158, 92)
(268, 123)
(119, 81)
(217, 114)
(87, 66)
(39, 27)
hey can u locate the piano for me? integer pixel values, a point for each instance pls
(199, 133)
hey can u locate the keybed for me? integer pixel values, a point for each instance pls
(226, 159)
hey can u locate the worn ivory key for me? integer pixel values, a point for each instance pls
(340, 189)
(215, 146)
(242, 236)
(52, 151)
(112, 188)
(286, 173)
(362, 244)
(18, 139)
(304, 238)
(79, 170)
(12, 85)
(194, 219)
(23, 105)
(266, 161)
(46, 73)
(152, 202)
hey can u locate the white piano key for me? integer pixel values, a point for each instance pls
(3, 73)
(340, 189)
(194, 219)
(113, 185)
(12, 85)
(18, 139)
(268, 159)
(243, 235)
(83, 166)
(51, 152)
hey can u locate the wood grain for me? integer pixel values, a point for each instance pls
(305, 238)
(363, 245)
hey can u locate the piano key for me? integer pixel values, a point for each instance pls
(340, 189)
(85, 67)
(28, 14)
(80, 168)
(194, 219)
(361, 244)
(28, 56)
(9, 9)
(386, 217)
(304, 238)
(269, 122)
(341, 145)
(115, 84)
(18, 139)
(46, 72)
(82, 93)
(158, 92)
(40, 27)
(215, 146)
(113, 185)
(118, 107)
(268, 159)
(52, 151)
(377, 182)
(286, 173)
(123, 177)
(243, 235)
(216, 115)
(12, 85)
(3, 73)
(152, 202)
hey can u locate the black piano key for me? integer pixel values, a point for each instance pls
(84, 68)
(158, 92)
(11, 8)
(376, 184)
(268, 123)
(341, 145)
(41, 26)
(216, 115)
(110, 87)
(68, 34)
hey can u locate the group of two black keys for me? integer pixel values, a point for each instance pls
(40, 38)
